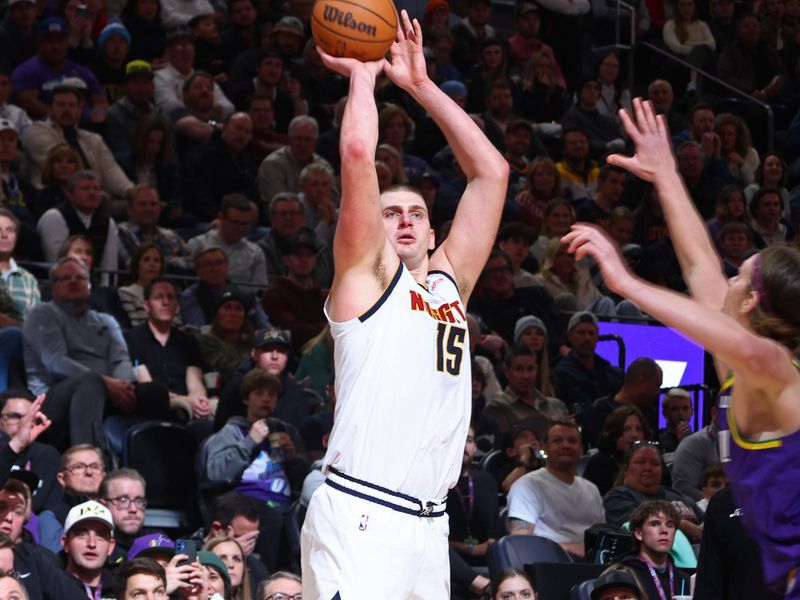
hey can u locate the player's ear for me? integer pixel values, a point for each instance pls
(432, 240)
(750, 302)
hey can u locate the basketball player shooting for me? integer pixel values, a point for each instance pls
(398, 318)
(750, 323)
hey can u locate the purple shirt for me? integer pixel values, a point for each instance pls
(34, 74)
(765, 481)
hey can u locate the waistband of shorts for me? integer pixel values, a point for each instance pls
(384, 497)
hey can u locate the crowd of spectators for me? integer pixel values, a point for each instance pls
(168, 208)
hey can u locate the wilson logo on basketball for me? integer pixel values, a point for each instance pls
(345, 19)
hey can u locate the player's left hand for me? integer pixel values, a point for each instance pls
(406, 68)
(587, 239)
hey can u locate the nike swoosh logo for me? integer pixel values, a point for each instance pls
(23, 575)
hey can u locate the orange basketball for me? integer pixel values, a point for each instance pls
(361, 29)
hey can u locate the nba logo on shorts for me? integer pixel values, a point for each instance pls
(362, 524)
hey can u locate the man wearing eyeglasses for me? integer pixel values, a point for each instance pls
(287, 220)
(79, 359)
(282, 585)
(80, 474)
(123, 492)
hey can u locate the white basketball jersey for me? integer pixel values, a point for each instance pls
(404, 388)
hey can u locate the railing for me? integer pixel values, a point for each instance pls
(727, 86)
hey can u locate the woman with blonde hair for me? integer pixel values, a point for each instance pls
(61, 163)
(392, 158)
(231, 554)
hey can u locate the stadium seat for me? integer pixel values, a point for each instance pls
(161, 451)
(520, 550)
(582, 591)
(555, 581)
(492, 462)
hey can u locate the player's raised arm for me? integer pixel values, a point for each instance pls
(654, 161)
(360, 237)
(475, 225)
(762, 361)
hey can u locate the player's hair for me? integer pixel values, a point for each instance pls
(712, 471)
(560, 423)
(140, 565)
(123, 473)
(69, 452)
(776, 315)
(259, 379)
(262, 587)
(401, 187)
(230, 505)
(641, 368)
(648, 509)
(614, 426)
(508, 574)
(148, 289)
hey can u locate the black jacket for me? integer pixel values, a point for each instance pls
(39, 571)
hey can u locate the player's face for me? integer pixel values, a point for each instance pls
(741, 297)
(657, 534)
(405, 220)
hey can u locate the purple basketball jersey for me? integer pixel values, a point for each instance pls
(765, 481)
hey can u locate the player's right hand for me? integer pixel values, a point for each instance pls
(347, 66)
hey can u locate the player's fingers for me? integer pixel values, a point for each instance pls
(620, 160)
(629, 125)
(407, 30)
(417, 31)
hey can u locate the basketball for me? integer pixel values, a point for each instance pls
(360, 29)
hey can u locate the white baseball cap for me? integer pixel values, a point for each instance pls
(86, 511)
